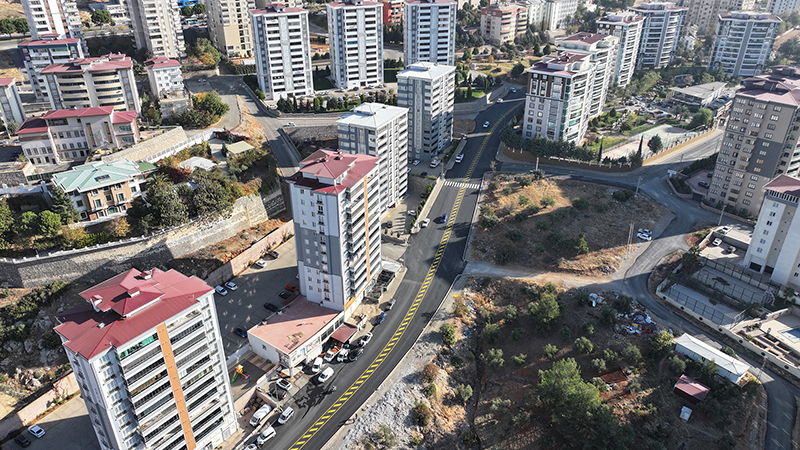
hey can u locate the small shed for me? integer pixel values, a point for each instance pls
(238, 148)
(196, 162)
(727, 366)
(691, 390)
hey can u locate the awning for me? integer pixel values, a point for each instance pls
(344, 333)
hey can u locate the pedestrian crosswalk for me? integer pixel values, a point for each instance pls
(460, 185)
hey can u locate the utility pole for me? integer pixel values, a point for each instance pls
(724, 205)
(637, 189)
(630, 242)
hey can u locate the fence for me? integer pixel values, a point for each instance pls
(173, 149)
(701, 308)
(740, 273)
(733, 290)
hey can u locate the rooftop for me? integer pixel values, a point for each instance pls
(426, 71)
(552, 64)
(372, 115)
(96, 174)
(353, 3)
(196, 162)
(692, 388)
(589, 38)
(621, 17)
(429, 2)
(700, 90)
(751, 15)
(277, 8)
(239, 147)
(8, 81)
(785, 184)
(39, 124)
(729, 363)
(503, 7)
(657, 6)
(112, 61)
(49, 42)
(333, 165)
(161, 62)
(126, 306)
(295, 325)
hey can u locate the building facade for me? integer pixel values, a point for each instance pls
(555, 13)
(166, 82)
(697, 96)
(778, 7)
(558, 97)
(603, 50)
(38, 54)
(355, 38)
(627, 26)
(428, 91)
(157, 27)
(229, 26)
(73, 134)
(743, 43)
(775, 249)
(53, 17)
(503, 22)
(392, 12)
(429, 31)
(760, 140)
(337, 222)
(661, 32)
(116, 9)
(704, 14)
(146, 349)
(379, 130)
(99, 189)
(282, 51)
(93, 82)
(11, 108)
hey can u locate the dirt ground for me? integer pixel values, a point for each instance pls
(463, 125)
(11, 9)
(7, 67)
(606, 223)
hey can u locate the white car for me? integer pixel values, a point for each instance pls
(644, 237)
(460, 157)
(290, 124)
(425, 223)
(499, 100)
(724, 230)
(286, 415)
(325, 375)
(416, 162)
(221, 290)
(252, 446)
(435, 164)
(329, 355)
(266, 435)
(486, 124)
(317, 366)
(284, 384)
(644, 231)
(365, 340)
(231, 286)
(342, 355)
(261, 263)
(259, 415)
(411, 212)
(716, 242)
(36, 430)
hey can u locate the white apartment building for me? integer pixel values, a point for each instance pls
(627, 27)
(760, 140)
(379, 130)
(704, 14)
(555, 13)
(603, 50)
(355, 37)
(229, 26)
(535, 11)
(558, 97)
(503, 22)
(102, 81)
(157, 27)
(146, 349)
(116, 9)
(661, 32)
(11, 109)
(68, 135)
(778, 7)
(337, 224)
(47, 17)
(743, 43)
(775, 247)
(428, 91)
(164, 75)
(282, 51)
(38, 54)
(429, 31)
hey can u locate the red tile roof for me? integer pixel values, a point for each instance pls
(80, 112)
(112, 61)
(32, 125)
(161, 62)
(48, 42)
(125, 307)
(785, 184)
(6, 81)
(123, 116)
(332, 165)
(691, 388)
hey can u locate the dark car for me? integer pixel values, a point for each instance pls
(380, 318)
(444, 218)
(22, 440)
(354, 354)
(703, 184)
(271, 307)
(240, 332)
(285, 294)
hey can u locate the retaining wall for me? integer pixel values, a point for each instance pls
(27, 414)
(479, 104)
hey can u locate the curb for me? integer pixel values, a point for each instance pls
(475, 215)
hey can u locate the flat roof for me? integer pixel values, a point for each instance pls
(277, 8)
(295, 325)
(425, 70)
(700, 90)
(785, 185)
(589, 38)
(372, 115)
(708, 352)
(239, 147)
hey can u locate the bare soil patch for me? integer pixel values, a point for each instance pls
(11, 9)
(464, 125)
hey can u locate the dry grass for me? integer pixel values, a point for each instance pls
(7, 67)
(605, 224)
(11, 9)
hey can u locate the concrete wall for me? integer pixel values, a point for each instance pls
(481, 103)
(145, 150)
(27, 414)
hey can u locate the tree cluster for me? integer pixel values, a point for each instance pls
(542, 146)
(101, 16)
(207, 108)
(393, 33)
(464, 39)
(14, 25)
(196, 10)
(205, 52)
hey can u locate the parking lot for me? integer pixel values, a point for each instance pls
(66, 428)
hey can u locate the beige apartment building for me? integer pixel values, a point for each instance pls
(627, 27)
(229, 26)
(503, 22)
(704, 14)
(48, 17)
(157, 27)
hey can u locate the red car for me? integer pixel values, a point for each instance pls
(291, 288)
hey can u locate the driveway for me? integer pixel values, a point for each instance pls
(66, 428)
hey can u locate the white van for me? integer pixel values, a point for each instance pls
(317, 365)
(286, 415)
(266, 435)
(325, 375)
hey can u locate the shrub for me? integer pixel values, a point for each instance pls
(588, 327)
(676, 364)
(582, 298)
(583, 345)
(519, 360)
(634, 385)
(601, 385)
(463, 392)
(610, 355)
(565, 332)
(422, 414)
(514, 235)
(429, 391)
(550, 351)
(500, 406)
(448, 333)
(660, 342)
(521, 419)
(542, 225)
(493, 185)
(504, 256)
(580, 203)
(632, 353)
(726, 442)
(524, 200)
(525, 181)
(384, 437)
(599, 365)
(510, 313)
(623, 304)
(490, 333)
(521, 216)
(622, 195)
(429, 372)
(547, 201)
(489, 220)
(729, 351)
(508, 190)
(608, 315)
(532, 209)
(493, 358)
(516, 333)
(456, 362)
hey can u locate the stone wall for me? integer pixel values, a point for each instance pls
(94, 264)
(273, 202)
(27, 414)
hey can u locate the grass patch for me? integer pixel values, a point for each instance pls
(640, 129)
(390, 75)
(476, 94)
(607, 143)
(323, 84)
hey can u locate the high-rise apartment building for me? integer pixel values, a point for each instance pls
(379, 130)
(392, 12)
(428, 91)
(429, 31)
(229, 26)
(778, 7)
(556, 12)
(166, 82)
(38, 54)
(603, 50)
(627, 27)
(147, 352)
(775, 248)
(661, 32)
(355, 37)
(743, 43)
(157, 27)
(503, 22)
(337, 227)
(83, 83)
(558, 97)
(704, 14)
(760, 140)
(11, 109)
(282, 52)
(53, 17)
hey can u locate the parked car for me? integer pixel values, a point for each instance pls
(325, 375)
(221, 290)
(731, 249)
(486, 124)
(274, 254)
(231, 285)
(271, 307)
(329, 355)
(290, 124)
(499, 100)
(36, 430)
(354, 354)
(425, 223)
(644, 237)
(390, 305)
(286, 415)
(709, 174)
(380, 318)
(240, 332)
(644, 231)
(513, 90)
(261, 263)
(435, 163)
(411, 212)
(22, 440)
(724, 230)
(460, 157)
(259, 415)
(703, 184)
(716, 242)
(284, 384)
(285, 294)
(365, 340)
(266, 435)
(252, 446)
(342, 355)
(317, 365)
(291, 288)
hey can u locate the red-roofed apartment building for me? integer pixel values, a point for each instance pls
(336, 208)
(72, 134)
(147, 352)
(11, 109)
(49, 50)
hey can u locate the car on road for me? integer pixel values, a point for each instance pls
(291, 288)
(460, 157)
(716, 242)
(266, 435)
(271, 307)
(221, 290)
(231, 286)
(365, 340)
(317, 366)
(425, 223)
(325, 375)
(252, 446)
(36, 430)
(285, 294)
(290, 124)
(284, 384)
(709, 174)
(408, 170)
(240, 332)
(274, 254)
(381, 318)
(273, 106)
(390, 304)
(411, 212)
(415, 163)
(486, 124)
(286, 415)
(499, 100)
(201, 80)
(644, 237)
(703, 184)
(354, 354)
(22, 440)
(342, 355)
(514, 91)
(259, 415)
(261, 263)
(444, 218)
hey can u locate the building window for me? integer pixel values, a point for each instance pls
(121, 197)
(759, 250)
(79, 203)
(97, 203)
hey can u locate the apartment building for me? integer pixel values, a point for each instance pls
(704, 14)
(146, 349)
(603, 50)
(100, 189)
(392, 12)
(429, 31)
(229, 26)
(282, 51)
(503, 22)
(48, 17)
(90, 82)
(778, 7)
(11, 108)
(428, 91)
(775, 248)
(760, 140)
(661, 32)
(556, 12)
(627, 26)
(535, 11)
(743, 43)
(116, 9)
(337, 226)
(67, 135)
(381, 131)
(49, 50)
(166, 82)
(558, 97)
(157, 27)
(355, 37)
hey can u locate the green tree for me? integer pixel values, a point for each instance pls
(701, 118)
(517, 70)
(448, 333)
(463, 393)
(26, 225)
(632, 353)
(20, 25)
(655, 144)
(6, 220)
(583, 345)
(166, 207)
(212, 103)
(467, 55)
(187, 11)
(199, 9)
(490, 333)
(676, 364)
(212, 195)
(545, 312)
(63, 206)
(660, 342)
(101, 16)
(7, 26)
(707, 78)
(493, 358)
(550, 351)
(49, 223)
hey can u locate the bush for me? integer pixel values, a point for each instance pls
(729, 351)
(541, 225)
(565, 332)
(583, 345)
(524, 200)
(726, 442)
(491, 333)
(422, 414)
(510, 313)
(634, 385)
(623, 304)
(514, 235)
(448, 333)
(676, 364)
(429, 372)
(582, 298)
(532, 209)
(517, 333)
(493, 358)
(456, 362)
(599, 365)
(463, 393)
(588, 327)
(622, 195)
(660, 342)
(500, 406)
(429, 390)
(493, 185)
(610, 355)
(489, 221)
(580, 203)
(547, 201)
(632, 353)
(519, 360)
(550, 351)
(508, 190)
(608, 315)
